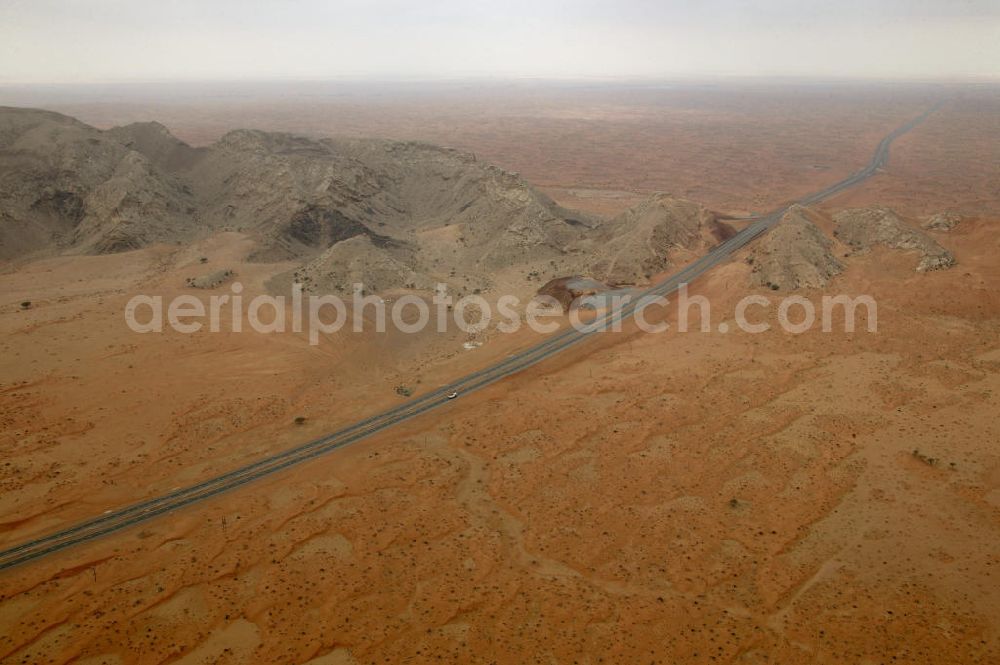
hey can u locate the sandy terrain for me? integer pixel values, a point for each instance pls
(677, 497)
(699, 497)
(952, 163)
(85, 398)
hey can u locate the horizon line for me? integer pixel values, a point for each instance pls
(706, 77)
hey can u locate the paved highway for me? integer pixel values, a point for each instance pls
(130, 515)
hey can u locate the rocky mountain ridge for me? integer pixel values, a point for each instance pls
(388, 214)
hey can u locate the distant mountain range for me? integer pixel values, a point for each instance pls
(389, 214)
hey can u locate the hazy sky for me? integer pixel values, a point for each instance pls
(102, 40)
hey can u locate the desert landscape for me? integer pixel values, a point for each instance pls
(735, 147)
(824, 497)
(793, 458)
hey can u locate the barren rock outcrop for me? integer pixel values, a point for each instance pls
(212, 280)
(795, 254)
(414, 207)
(637, 244)
(942, 221)
(863, 228)
(64, 184)
(375, 265)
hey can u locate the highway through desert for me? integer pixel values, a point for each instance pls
(131, 515)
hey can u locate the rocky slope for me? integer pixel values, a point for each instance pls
(795, 254)
(66, 185)
(637, 244)
(863, 228)
(942, 221)
(436, 214)
(388, 214)
(376, 265)
(420, 213)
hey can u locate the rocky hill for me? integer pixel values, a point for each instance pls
(942, 221)
(66, 185)
(863, 228)
(388, 214)
(637, 244)
(419, 213)
(795, 254)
